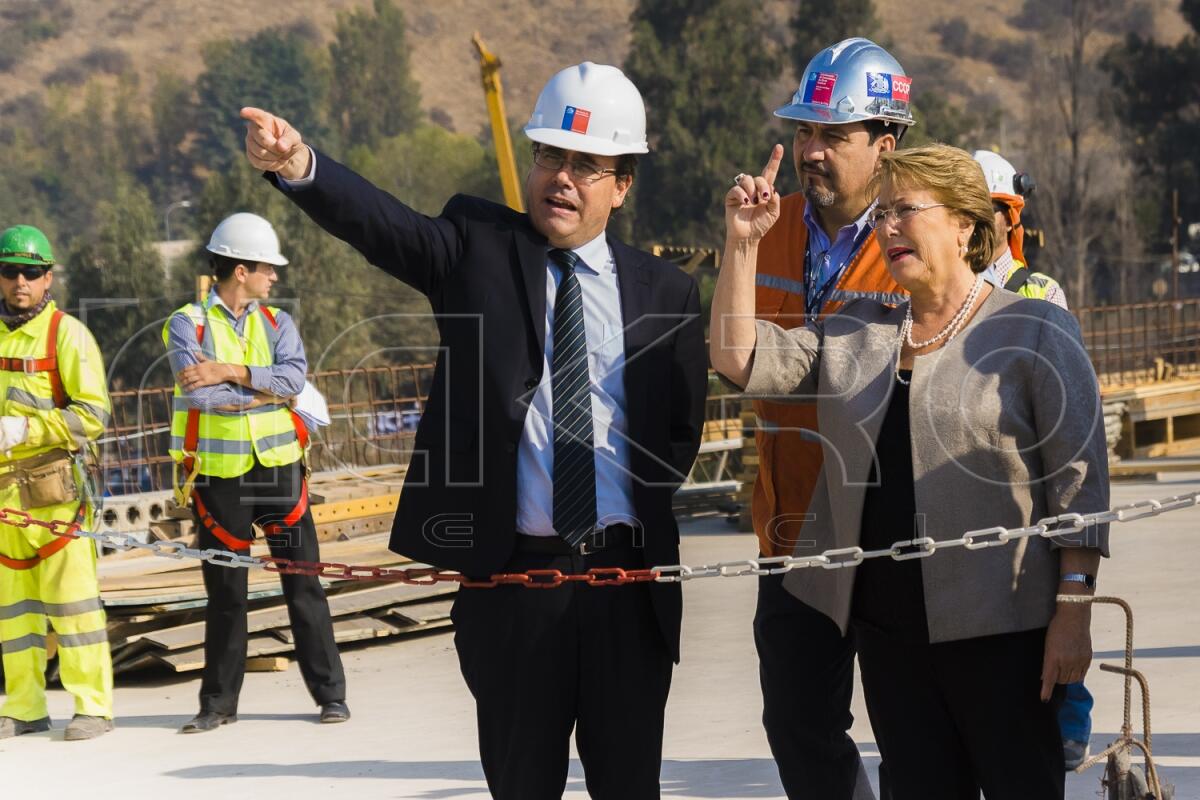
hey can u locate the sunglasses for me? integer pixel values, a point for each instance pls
(31, 273)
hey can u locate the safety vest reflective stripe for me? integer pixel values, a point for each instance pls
(769, 427)
(845, 296)
(835, 295)
(223, 447)
(29, 399)
(181, 405)
(23, 607)
(779, 282)
(82, 639)
(20, 643)
(275, 440)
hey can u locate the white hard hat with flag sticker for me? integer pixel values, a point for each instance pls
(590, 108)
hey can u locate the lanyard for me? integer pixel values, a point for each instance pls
(814, 297)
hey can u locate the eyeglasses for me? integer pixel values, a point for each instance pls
(900, 213)
(554, 160)
(31, 273)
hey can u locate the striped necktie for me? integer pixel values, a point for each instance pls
(574, 457)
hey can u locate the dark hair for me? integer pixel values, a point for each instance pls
(223, 266)
(880, 127)
(626, 165)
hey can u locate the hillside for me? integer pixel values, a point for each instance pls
(168, 35)
(532, 39)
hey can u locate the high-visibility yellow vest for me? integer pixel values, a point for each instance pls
(52, 373)
(226, 444)
(1037, 285)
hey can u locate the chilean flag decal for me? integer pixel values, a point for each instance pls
(576, 119)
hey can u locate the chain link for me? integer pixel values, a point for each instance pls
(839, 558)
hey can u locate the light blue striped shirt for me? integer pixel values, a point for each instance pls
(284, 378)
(605, 331)
(831, 259)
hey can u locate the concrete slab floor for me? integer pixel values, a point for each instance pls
(413, 733)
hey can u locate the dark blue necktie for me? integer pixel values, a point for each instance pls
(574, 456)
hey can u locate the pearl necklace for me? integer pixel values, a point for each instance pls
(948, 332)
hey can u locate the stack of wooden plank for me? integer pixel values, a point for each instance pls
(156, 605)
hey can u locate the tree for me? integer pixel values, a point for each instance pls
(1068, 149)
(173, 116)
(940, 120)
(819, 23)
(279, 69)
(117, 285)
(372, 95)
(704, 126)
(1157, 90)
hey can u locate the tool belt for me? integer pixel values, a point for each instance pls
(43, 480)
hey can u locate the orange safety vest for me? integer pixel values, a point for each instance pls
(789, 452)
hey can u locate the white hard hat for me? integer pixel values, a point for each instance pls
(997, 171)
(246, 236)
(590, 108)
(853, 81)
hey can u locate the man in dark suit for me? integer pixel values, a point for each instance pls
(566, 408)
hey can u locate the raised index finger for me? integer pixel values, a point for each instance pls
(772, 168)
(263, 119)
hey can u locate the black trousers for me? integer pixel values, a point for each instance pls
(806, 668)
(262, 496)
(540, 662)
(953, 718)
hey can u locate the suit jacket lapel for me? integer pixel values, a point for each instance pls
(635, 281)
(531, 257)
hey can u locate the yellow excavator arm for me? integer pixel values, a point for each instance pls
(489, 67)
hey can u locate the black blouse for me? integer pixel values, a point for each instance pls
(889, 595)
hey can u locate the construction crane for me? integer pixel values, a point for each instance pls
(489, 67)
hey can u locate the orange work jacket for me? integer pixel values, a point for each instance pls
(789, 452)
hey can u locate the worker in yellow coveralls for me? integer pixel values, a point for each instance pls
(53, 407)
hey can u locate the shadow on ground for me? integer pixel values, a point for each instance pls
(705, 778)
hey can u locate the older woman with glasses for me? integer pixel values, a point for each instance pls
(965, 408)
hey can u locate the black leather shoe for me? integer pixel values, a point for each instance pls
(336, 711)
(208, 721)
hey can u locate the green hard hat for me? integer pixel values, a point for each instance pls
(25, 244)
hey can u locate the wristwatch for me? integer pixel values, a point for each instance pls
(1079, 577)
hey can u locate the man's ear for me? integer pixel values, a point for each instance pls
(624, 184)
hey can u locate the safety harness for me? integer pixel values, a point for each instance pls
(29, 366)
(191, 468)
(48, 364)
(46, 550)
(1019, 278)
